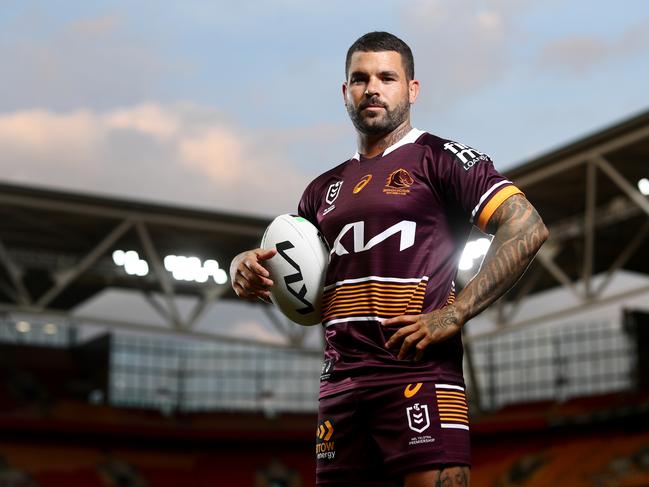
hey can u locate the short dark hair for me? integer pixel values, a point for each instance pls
(382, 41)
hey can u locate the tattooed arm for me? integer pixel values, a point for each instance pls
(519, 234)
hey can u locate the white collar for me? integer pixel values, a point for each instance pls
(409, 138)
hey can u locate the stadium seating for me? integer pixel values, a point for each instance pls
(600, 440)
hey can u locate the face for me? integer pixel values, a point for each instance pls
(377, 92)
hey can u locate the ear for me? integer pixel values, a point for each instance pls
(413, 91)
(345, 92)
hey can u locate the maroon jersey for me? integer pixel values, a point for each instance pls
(396, 225)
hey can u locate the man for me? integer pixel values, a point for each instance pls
(396, 217)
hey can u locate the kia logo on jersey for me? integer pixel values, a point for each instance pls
(406, 230)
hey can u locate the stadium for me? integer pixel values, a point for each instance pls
(143, 149)
(85, 399)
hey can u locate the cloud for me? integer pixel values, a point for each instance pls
(40, 135)
(578, 55)
(178, 153)
(146, 118)
(95, 26)
(459, 48)
(90, 62)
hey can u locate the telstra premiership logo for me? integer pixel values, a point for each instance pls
(418, 419)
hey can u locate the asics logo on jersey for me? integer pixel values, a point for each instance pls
(362, 183)
(467, 156)
(406, 230)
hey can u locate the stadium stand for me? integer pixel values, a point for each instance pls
(562, 405)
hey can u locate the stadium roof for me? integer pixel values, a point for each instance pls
(56, 246)
(588, 195)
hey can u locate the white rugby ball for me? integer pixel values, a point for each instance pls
(298, 269)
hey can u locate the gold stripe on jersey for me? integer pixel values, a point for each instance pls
(493, 204)
(452, 407)
(375, 298)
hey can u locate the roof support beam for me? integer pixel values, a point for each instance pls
(524, 290)
(9, 290)
(65, 278)
(161, 274)
(294, 334)
(105, 211)
(622, 183)
(582, 157)
(547, 261)
(208, 298)
(589, 226)
(588, 305)
(623, 257)
(16, 275)
(159, 308)
(617, 210)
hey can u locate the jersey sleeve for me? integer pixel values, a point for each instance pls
(470, 180)
(307, 208)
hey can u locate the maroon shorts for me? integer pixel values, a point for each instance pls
(373, 433)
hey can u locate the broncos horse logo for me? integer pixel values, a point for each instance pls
(399, 179)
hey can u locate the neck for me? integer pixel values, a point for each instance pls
(370, 145)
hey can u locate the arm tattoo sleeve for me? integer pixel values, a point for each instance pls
(520, 232)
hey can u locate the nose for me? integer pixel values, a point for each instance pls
(372, 87)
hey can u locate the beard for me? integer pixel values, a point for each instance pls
(378, 123)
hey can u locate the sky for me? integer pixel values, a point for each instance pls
(236, 106)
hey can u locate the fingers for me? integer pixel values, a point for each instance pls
(254, 286)
(251, 293)
(401, 334)
(410, 341)
(265, 254)
(400, 320)
(417, 333)
(249, 271)
(420, 348)
(250, 279)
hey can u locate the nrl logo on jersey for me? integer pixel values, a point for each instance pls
(333, 192)
(465, 156)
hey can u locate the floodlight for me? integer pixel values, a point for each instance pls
(643, 186)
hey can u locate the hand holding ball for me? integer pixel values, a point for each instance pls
(297, 269)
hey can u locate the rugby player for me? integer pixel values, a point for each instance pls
(396, 216)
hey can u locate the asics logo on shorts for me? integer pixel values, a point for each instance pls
(411, 390)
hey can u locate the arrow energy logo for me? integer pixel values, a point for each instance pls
(325, 448)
